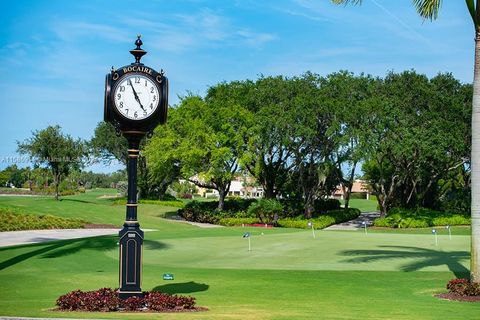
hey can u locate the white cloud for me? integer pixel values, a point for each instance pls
(189, 32)
(71, 30)
(255, 38)
(335, 52)
(173, 41)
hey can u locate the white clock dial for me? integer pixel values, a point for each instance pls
(136, 97)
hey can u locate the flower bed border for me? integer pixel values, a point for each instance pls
(108, 300)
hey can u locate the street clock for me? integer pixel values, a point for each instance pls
(136, 101)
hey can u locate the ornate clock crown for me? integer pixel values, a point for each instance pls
(138, 52)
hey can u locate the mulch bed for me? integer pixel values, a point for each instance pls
(99, 226)
(457, 297)
(258, 225)
(195, 309)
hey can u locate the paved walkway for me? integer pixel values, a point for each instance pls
(11, 238)
(357, 223)
(23, 318)
(197, 224)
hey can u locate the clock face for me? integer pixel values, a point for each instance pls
(136, 97)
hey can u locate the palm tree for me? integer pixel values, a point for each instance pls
(429, 9)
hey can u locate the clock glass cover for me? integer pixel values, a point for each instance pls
(136, 97)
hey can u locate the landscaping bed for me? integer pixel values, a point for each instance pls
(166, 203)
(15, 220)
(39, 191)
(107, 300)
(421, 218)
(461, 290)
(270, 212)
(457, 297)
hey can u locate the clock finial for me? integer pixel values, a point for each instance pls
(138, 52)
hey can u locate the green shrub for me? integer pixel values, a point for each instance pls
(14, 220)
(382, 222)
(456, 201)
(420, 218)
(262, 211)
(166, 203)
(266, 210)
(231, 222)
(322, 221)
(412, 223)
(207, 212)
(168, 197)
(200, 212)
(454, 220)
(292, 207)
(293, 223)
(324, 205)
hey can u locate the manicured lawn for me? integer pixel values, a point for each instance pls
(287, 275)
(362, 204)
(441, 231)
(92, 206)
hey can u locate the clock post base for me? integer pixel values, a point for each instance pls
(131, 244)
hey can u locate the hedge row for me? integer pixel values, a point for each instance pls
(420, 218)
(232, 222)
(41, 192)
(167, 203)
(263, 210)
(206, 212)
(14, 220)
(321, 221)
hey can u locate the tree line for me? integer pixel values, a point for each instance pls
(301, 137)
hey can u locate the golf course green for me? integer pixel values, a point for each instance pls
(288, 274)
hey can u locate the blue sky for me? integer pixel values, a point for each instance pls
(54, 54)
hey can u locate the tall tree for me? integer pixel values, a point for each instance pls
(108, 145)
(203, 140)
(429, 9)
(269, 149)
(313, 137)
(161, 154)
(60, 152)
(417, 134)
(353, 98)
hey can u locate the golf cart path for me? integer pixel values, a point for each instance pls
(11, 238)
(365, 217)
(24, 318)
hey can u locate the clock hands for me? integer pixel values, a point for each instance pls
(135, 94)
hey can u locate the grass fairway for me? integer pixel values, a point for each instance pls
(287, 275)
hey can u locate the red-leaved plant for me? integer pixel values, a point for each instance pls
(463, 287)
(161, 301)
(107, 299)
(133, 304)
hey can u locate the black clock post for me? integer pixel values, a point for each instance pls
(136, 101)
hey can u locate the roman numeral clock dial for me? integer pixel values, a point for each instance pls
(136, 96)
